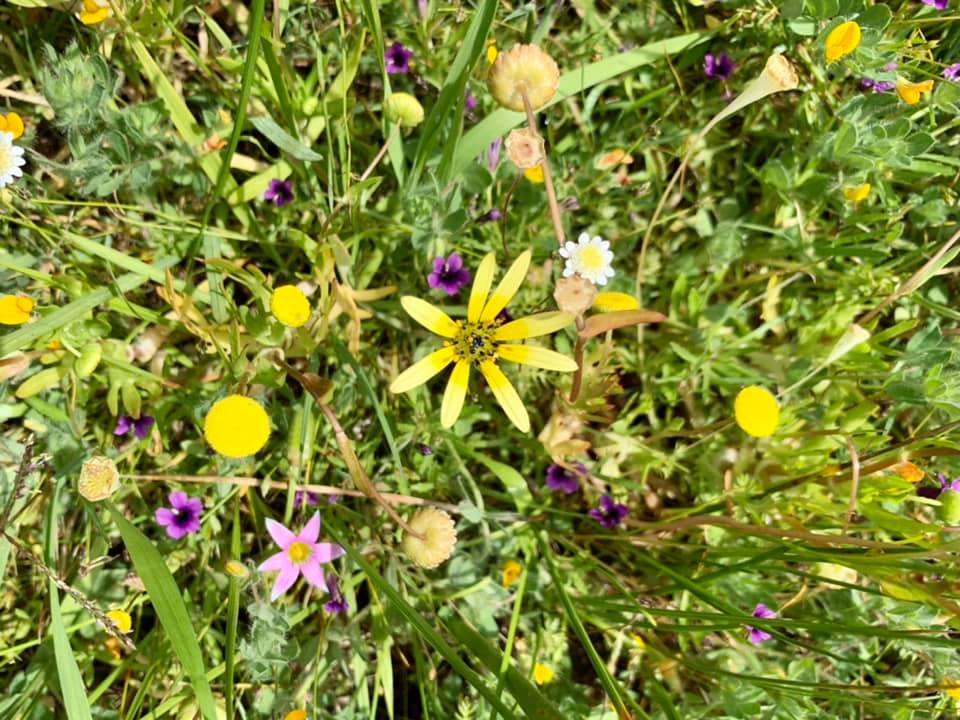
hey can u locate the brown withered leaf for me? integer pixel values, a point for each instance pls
(597, 324)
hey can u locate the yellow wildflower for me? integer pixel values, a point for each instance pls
(12, 123)
(757, 411)
(511, 572)
(15, 309)
(236, 426)
(952, 688)
(439, 538)
(99, 478)
(235, 568)
(534, 174)
(842, 40)
(94, 11)
(910, 92)
(908, 471)
(857, 193)
(542, 674)
(290, 306)
(121, 618)
(524, 69)
(482, 340)
(492, 52)
(298, 714)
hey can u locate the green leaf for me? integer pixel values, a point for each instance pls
(279, 137)
(876, 17)
(512, 480)
(171, 610)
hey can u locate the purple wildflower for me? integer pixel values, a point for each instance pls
(423, 6)
(493, 154)
(719, 66)
(123, 426)
(562, 480)
(182, 517)
(398, 59)
(448, 274)
(471, 102)
(299, 554)
(309, 496)
(938, 4)
(491, 216)
(141, 426)
(279, 192)
(755, 635)
(610, 513)
(337, 603)
(424, 449)
(952, 72)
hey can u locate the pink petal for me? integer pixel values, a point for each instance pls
(313, 574)
(164, 516)
(280, 534)
(285, 580)
(311, 531)
(327, 552)
(280, 561)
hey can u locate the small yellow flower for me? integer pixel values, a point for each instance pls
(94, 11)
(403, 108)
(534, 174)
(524, 68)
(908, 471)
(542, 674)
(910, 92)
(439, 538)
(492, 52)
(298, 714)
(640, 642)
(842, 40)
(12, 123)
(857, 193)
(511, 572)
(757, 411)
(615, 301)
(952, 688)
(15, 309)
(290, 306)
(236, 426)
(481, 340)
(99, 478)
(235, 568)
(121, 618)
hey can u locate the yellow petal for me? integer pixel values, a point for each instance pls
(15, 309)
(857, 193)
(508, 287)
(537, 357)
(910, 92)
(13, 124)
(481, 287)
(533, 326)
(93, 18)
(506, 395)
(432, 318)
(842, 40)
(757, 411)
(121, 618)
(542, 674)
(534, 174)
(614, 301)
(422, 370)
(455, 393)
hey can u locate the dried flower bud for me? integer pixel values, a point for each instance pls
(99, 478)
(781, 73)
(524, 68)
(439, 538)
(575, 294)
(403, 108)
(525, 148)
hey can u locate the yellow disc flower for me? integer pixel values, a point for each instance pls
(15, 309)
(857, 194)
(482, 340)
(534, 174)
(842, 40)
(290, 306)
(12, 123)
(542, 674)
(910, 92)
(757, 411)
(511, 572)
(94, 11)
(121, 618)
(236, 426)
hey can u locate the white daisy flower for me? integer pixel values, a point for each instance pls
(590, 257)
(11, 159)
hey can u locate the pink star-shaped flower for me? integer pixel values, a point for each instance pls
(299, 554)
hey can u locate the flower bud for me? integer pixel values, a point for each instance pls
(525, 68)
(525, 148)
(574, 294)
(439, 538)
(99, 478)
(403, 108)
(949, 510)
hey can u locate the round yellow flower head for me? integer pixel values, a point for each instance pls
(857, 194)
(236, 426)
(15, 309)
(757, 411)
(524, 68)
(842, 40)
(12, 123)
(511, 572)
(121, 618)
(290, 306)
(615, 302)
(542, 674)
(534, 174)
(237, 569)
(298, 714)
(439, 538)
(910, 92)
(99, 478)
(403, 108)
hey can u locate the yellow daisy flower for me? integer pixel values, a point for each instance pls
(482, 340)
(542, 674)
(237, 426)
(290, 306)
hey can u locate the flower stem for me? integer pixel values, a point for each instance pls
(578, 358)
(547, 178)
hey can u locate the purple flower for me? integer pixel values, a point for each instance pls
(337, 603)
(280, 192)
(610, 513)
(947, 484)
(491, 216)
(299, 554)
(448, 274)
(423, 6)
(493, 154)
(952, 72)
(424, 449)
(141, 426)
(938, 4)
(182, 517)
(300, 496)
(471, 102)
(719, 66)
(123, 426)
(755, 635)
(562, 480)
(398, 59)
